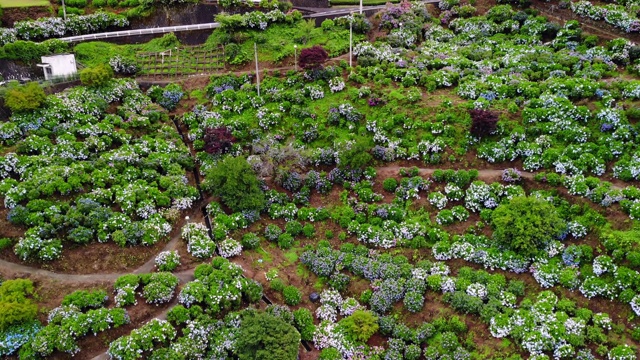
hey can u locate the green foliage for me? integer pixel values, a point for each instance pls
(265, 337)
(233, 180)
(285, 241)
(5, 243)
(15, 305)
(250, 241)
(292, 296)
(303, 321)
(25, 98)
(86, 299)
(29, 51)
(96, 76)
(356, 157)
(277, 284)
(390, 185)
(526, 224)
(360, 326)
(178, 315)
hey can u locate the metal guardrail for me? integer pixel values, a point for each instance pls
(168, 29)
(148, 31)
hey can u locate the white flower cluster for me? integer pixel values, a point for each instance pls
(199, 244)
(315, 92)
(438, 199)
(477, 290)
(635, 304)
(229, 248)
(336, 84)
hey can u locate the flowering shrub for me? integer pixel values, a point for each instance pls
(12, 338)
(160, 288)
(199, 244)
(229, 248)
(511, 175)
(121, 65)
(438, 199)
(336, 85)
(167, 260)
(142, 339)
(49, 27)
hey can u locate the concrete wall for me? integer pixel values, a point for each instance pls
(311, 3)
(61, 65)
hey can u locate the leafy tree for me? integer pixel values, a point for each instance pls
(15, 306)
(313, 57)
(233, 180)
(96, 76)
(483, 122)
(25, 98)
(218, 140)
(360, 326)
(355, 157)
(526, 224)
(265, 337)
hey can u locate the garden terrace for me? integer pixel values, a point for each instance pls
(468, 190)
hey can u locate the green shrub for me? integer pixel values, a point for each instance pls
(285, 241)
(309, 231)
(360, 326)
(5, 243)
(292, 296)
(96, 76)
(25, 98)
(86, 299)
(250, 241)
(132, 280)
(277, 284)
(178, 315)
(16, 307)
(236, 184)
(293, 227)
(303, 321)
(99, 3)
(526, 224)
(262, 336)
(330, 353)
(253, 291)
(70, 11)
(390, 185)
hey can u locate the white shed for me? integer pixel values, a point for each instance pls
(61, 65)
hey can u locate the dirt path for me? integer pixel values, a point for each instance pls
(21, 270)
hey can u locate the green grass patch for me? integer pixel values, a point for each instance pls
(266, 256)
(291, 256)
(23, 3)
(302, 272)
(319, 285)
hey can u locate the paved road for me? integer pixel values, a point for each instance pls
(319, 12)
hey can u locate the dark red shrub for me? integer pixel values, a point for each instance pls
(313, 57)
(218, 140)
(483, 122)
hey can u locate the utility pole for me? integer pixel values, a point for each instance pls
(64, 11)
(295, 56)
(255, 50)
(351, 42)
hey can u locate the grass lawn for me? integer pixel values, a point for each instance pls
(23, 3)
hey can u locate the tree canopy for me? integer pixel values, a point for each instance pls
(526, 224)
(263, 336)
(233, 180)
